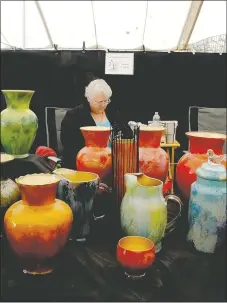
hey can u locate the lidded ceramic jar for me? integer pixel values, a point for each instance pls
(207, 206)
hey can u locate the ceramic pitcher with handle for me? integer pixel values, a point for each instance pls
(78, 190)
(144, 208)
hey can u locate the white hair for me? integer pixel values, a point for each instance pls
(97, 86)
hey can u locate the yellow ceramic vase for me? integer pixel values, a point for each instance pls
(38, 226)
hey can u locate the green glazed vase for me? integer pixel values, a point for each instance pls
(18, 123)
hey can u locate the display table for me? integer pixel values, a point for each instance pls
(90, 272)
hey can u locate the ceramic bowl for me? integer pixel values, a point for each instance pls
(135, 254)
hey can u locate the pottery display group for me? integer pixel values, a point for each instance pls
(199, 143)
(18, 123)
(38, 226)
(78, 190)
(96, 157)
(207, 207)
(153, 160)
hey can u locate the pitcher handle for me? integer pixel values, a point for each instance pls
(178, 200)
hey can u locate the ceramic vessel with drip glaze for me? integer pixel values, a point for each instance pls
(19, 124)
(199, 143)
(78, 190)
(136, 255)
(144, 209)
(96, 157)
(38, 226)
(207, 206)
(153, 160)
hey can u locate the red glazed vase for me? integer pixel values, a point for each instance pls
(96, 157)
(38, 226)
(153, 160)
(199, 143)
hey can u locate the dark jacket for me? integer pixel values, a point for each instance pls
(71, 136)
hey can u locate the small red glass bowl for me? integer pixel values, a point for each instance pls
(135, 254)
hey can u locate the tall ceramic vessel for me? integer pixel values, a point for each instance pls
(18, 123)
(96, 157)
(153, 160)
(199, 143)
(143, 208)
(207, 207)
(78, 190)
(38, 226)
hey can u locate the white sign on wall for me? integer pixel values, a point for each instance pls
(119, 64)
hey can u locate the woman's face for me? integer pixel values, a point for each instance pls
(98, 103)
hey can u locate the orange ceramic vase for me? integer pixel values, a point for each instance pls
(96, 157)
(153, 160)
(199, 143)
(37, 227)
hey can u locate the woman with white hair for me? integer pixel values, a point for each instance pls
(95, 112)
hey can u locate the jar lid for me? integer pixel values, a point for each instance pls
(211, 170)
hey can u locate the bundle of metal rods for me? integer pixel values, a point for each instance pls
(125, 156)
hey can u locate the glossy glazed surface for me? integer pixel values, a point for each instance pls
(18, 123)
(153, 160)
(78, 190)
(135, 252)
(96, 156)
(199, 143)
(38, 226)
(207, 208)
(143, 208)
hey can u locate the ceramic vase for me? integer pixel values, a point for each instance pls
(18, 123)
(38, 226)
(153, 160)
(9, 190)
(199, 143)
(143, 209)
(207, 208)
(96, 157)
(78, 190)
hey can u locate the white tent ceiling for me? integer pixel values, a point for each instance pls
(124, 25)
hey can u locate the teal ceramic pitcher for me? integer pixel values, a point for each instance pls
(18, 123)
(144, 209)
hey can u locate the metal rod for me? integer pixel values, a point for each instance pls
(24, 24)
(189, 25)
(44, 23)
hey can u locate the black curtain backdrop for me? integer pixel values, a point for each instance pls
(165, 82)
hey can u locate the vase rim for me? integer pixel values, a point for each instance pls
(41, 179)
(95, 128)
(150, 128)
(148, 241)
(204, 134)
(17, 91)
(4, 158)
(60, 172)
(149, 181)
